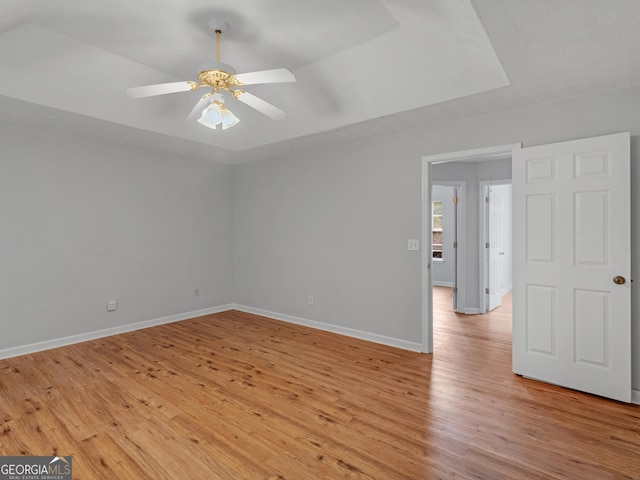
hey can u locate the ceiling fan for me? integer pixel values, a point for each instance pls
(220, 78)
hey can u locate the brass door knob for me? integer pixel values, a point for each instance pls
(618, 280)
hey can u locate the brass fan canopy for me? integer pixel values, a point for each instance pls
(218, 76)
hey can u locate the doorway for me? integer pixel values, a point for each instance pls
(473, 285)
(447, 227)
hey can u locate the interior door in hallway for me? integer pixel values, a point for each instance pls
(498, 243)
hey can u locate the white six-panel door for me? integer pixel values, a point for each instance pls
(571, 244)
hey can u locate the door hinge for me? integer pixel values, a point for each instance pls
(455, 244)
(486, 199)
(455, 200)
(486, 290)
(486, 245)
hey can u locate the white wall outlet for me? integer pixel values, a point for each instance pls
(112, 305)
(310, 300)
(414, 245)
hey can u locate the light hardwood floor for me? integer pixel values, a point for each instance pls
(235, 396)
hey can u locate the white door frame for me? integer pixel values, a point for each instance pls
(484, 223)
(476, 155)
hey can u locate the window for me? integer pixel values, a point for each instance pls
(436, 229)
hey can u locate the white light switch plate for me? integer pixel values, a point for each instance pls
(414, 245)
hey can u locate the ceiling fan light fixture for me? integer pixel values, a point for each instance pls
(216, 114)
(211, 116)
(228, 118)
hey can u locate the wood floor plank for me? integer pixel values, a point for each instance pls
(238, 396)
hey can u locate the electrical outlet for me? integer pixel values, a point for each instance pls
(112, 305)
(310, 300)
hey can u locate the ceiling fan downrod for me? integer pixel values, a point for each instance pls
(218, 32)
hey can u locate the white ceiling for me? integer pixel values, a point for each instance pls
(363, 66)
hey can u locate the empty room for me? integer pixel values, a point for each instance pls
(224, 231)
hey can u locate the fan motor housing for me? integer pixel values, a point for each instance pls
(219, 76)
(218, 79)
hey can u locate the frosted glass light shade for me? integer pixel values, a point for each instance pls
(217, 114)
(228, 119)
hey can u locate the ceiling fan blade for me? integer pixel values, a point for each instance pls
(278, 75)
(263, 107)
(197, 110)
(160, 89)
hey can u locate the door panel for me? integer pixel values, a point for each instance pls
(541, 320)
(541, 228)
(592, 324)
(571, 322)
(592, 228)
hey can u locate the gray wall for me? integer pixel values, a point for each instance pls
(334, 222)
(85, 221)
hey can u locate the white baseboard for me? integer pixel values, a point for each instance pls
(471, 311)
(83, 337)
(349, 332)
(505, 290)
(635, 397)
